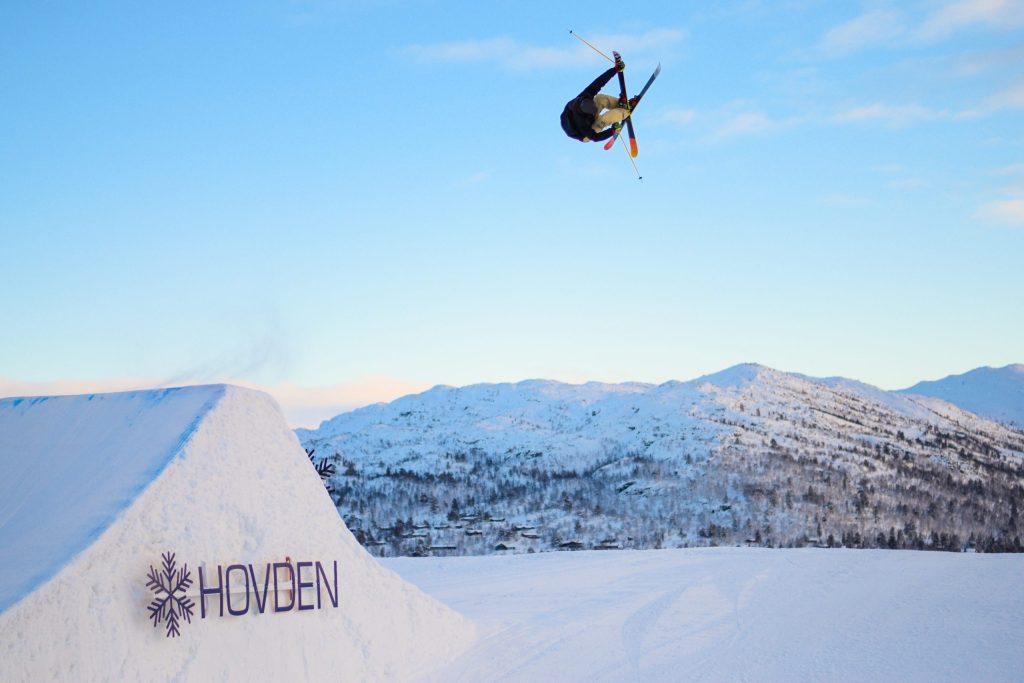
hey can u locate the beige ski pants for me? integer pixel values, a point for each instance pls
(614, 113)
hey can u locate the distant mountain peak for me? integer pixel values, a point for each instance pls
(737, 375)
(994, 393)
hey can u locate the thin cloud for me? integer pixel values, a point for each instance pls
(975, 64)
(874, 28)
(957, 16)
(896, 115)
(474, 179)
(675, 117)
(516, 55)
(901, 177)
(745, 123)
(1011, 169)
(1010, 98)
(750, 122)
(504, 51)
(1008, 212)
(888, 27)
(642, 43)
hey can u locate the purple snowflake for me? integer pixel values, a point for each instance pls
(168, 606)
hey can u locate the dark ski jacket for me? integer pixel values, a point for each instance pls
(580, 112)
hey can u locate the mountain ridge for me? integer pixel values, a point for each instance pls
(995, 393)
(745, 454)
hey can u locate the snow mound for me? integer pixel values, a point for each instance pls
(95, 490)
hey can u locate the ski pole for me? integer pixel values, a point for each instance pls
(591, 46)
(631, 160)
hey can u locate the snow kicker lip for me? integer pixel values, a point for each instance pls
(145, 432)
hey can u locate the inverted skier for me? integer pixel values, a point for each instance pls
(593, 115)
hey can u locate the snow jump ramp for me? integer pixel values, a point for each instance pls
(181, 534)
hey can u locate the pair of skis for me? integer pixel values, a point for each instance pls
(633, 149)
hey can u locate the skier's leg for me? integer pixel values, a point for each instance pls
(609, 117)
(604, 101)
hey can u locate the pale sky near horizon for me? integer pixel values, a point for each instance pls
(350, 200)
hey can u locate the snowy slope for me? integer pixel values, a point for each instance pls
(573, 424)
(746, 454)
(214, 475)
(568, 421)
(52, 504)
(995, 393)
(734, 614)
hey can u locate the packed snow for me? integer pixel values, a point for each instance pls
(96, 489)
(733, 614)
(56, 499)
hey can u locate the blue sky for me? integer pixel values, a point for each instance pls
(344, 201)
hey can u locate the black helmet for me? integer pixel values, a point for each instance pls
(587, 106)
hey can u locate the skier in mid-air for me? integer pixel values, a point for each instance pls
(593, 115)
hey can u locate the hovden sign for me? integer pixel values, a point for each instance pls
(238, 589)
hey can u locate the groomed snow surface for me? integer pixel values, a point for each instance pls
(734, 614)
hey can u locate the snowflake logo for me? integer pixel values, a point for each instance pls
(168, 606)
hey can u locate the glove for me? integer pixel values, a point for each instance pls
(620, 65)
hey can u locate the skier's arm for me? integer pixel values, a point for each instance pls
(598, 83)
(603, 135)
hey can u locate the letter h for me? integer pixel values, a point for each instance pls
(204, 591)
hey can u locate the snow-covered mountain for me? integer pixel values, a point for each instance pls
(995, 393)
(749, 454)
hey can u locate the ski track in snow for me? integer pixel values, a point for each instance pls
(736, 614)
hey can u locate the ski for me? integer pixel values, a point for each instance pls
(615, 136)
(633, 150)
(623, 97)
(647, 85)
